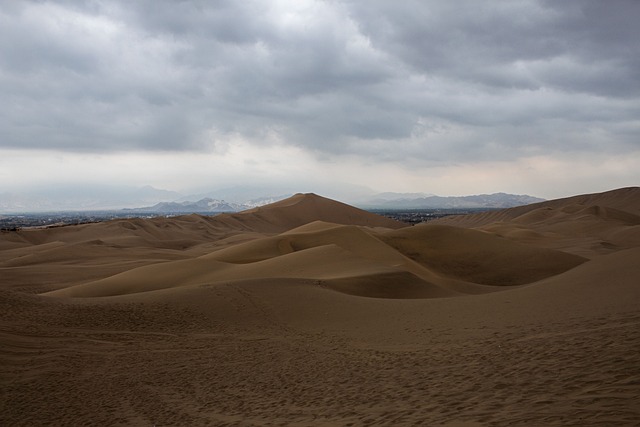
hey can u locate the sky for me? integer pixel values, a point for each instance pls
(446, 97)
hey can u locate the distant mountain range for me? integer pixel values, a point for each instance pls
(496, 200)
(153, 200)
(204, 205)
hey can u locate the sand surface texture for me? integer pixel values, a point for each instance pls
(311, 312)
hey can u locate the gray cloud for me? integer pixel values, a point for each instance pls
(584, 46)
(435, 81)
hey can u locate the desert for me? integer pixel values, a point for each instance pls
(308, 311)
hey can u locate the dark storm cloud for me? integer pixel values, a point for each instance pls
(435, 80)
(507, 44)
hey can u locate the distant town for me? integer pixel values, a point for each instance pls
(417, 216)
(16, 221)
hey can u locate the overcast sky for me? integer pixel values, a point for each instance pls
(446, 97)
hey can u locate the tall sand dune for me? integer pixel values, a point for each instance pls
(302, 209)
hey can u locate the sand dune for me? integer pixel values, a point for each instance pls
(623, 199)
(345, 255)
(311, 312)
(589, 225)
(302, 209)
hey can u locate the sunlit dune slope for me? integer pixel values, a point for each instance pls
(344, 258)
(328, 265)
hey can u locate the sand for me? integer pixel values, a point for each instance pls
(311, 312)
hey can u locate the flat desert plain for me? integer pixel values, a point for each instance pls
(312, 312)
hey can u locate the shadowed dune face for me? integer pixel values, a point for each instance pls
(479, 257)
(310, 312)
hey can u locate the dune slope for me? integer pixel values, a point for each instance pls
(480, 257)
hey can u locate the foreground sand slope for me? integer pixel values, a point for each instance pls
(526, 317)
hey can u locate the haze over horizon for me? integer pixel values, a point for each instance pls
(525, 97)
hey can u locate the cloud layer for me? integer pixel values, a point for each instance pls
(418, 83)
